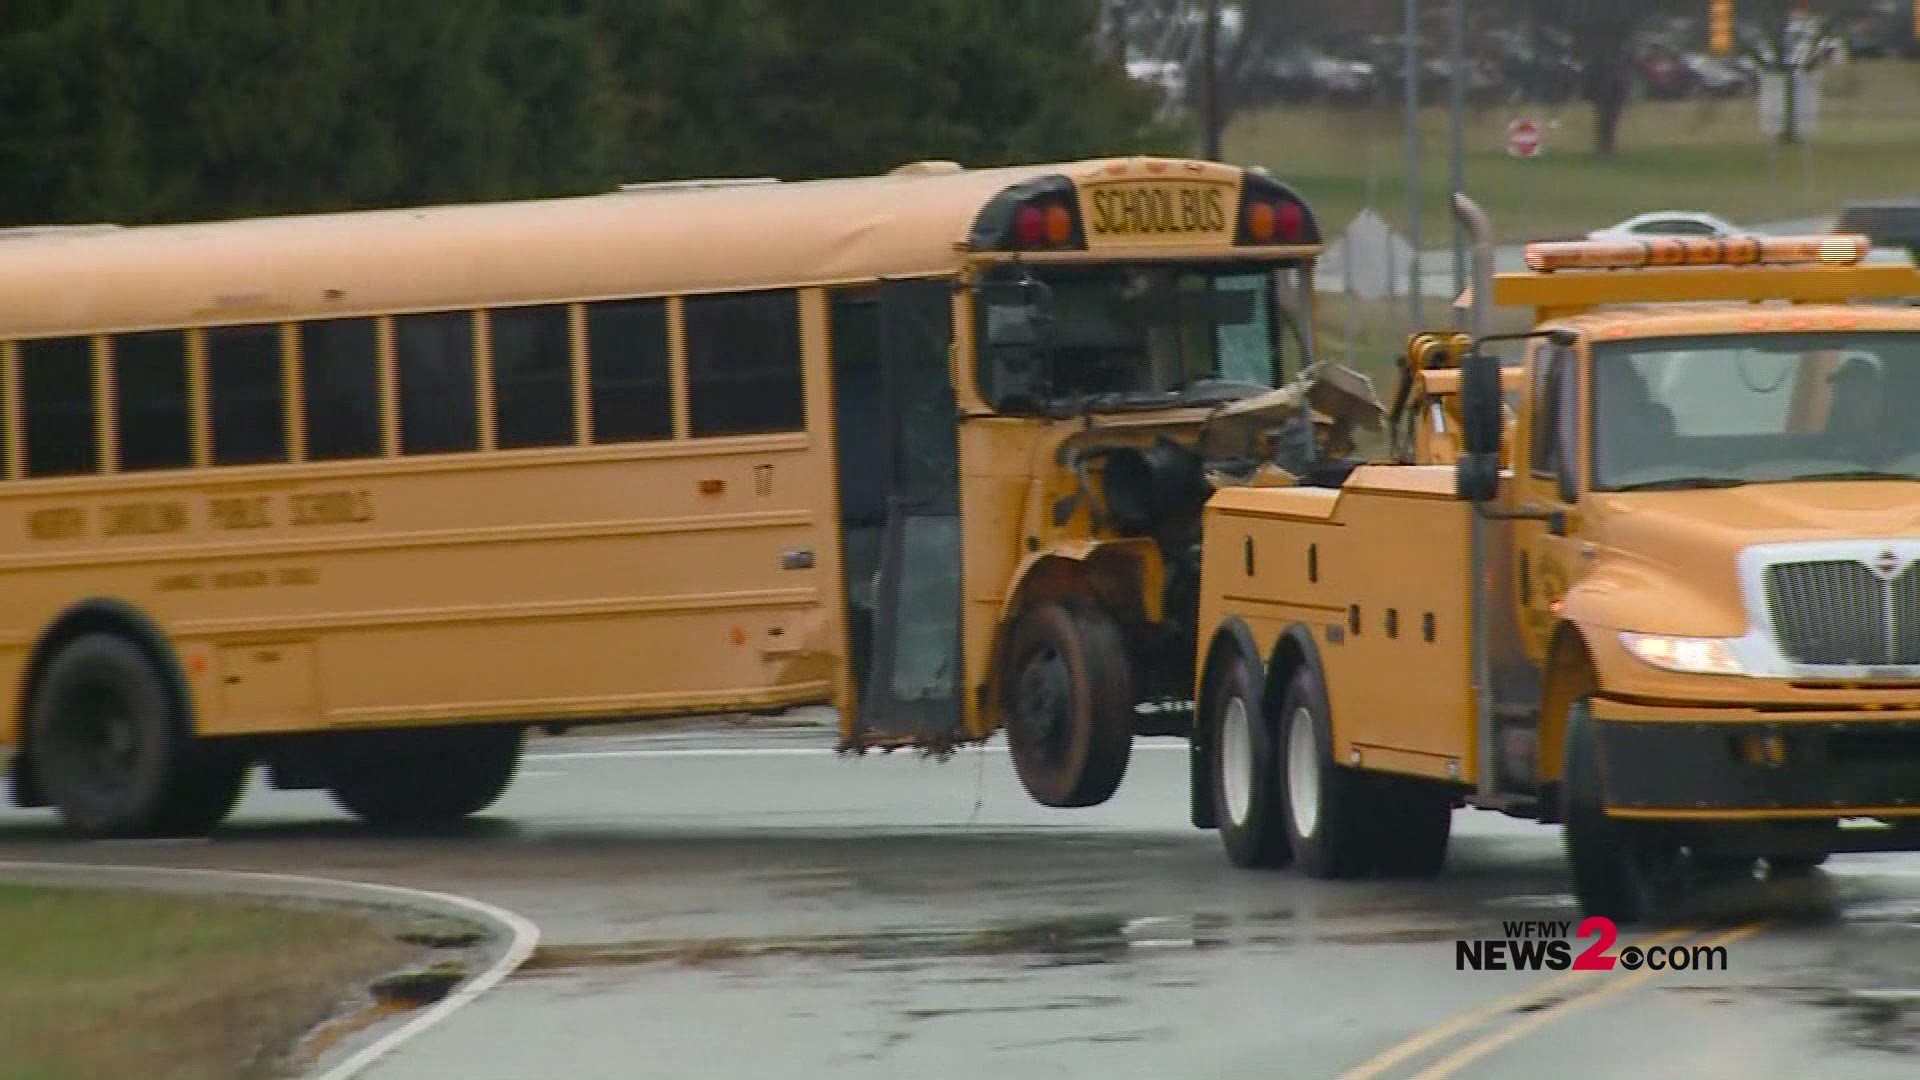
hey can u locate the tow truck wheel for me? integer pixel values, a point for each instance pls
(1328, 814)
(1625, 871)
(1068, 703)
(1244, 764)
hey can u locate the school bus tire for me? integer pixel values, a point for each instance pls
(1243, 767)
(1328, 808)
(113, 753)
(1068, 703)
(428, 776)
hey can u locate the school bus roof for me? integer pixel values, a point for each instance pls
(644, 241)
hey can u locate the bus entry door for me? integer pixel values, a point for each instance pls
(913, 690)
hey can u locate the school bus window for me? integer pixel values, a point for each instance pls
(743, 363)
(1141, 336)
(340, 385)
(247, 395)
(532, 377)
(150, 402)
(56, 393)
(627, 371)
(438, 410)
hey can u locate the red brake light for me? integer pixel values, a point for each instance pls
(1289, 221)
(1030, 226)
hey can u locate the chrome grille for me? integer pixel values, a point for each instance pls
(1905, 614)
(1839, 612)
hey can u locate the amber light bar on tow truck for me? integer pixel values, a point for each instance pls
(1835, 250)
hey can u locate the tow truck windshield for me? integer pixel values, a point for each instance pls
(1718, 411)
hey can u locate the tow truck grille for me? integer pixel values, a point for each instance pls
(1840, 612)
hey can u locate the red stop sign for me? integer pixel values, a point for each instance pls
(1523, 138)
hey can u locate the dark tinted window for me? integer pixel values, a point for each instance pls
(246, 391)
(434, 354)
(150, 400)
(340, 380)
(532, 377)
(629, 384)
(1550, 369)
(743, 363)
(56, 387)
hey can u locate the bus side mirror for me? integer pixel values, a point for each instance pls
(1478, 474)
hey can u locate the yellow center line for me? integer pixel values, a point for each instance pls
(1487, 1044)
(1433, 1036)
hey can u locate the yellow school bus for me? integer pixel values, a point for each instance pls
(362, 497)
(1671, 603)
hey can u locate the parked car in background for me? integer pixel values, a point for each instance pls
(1667, 223)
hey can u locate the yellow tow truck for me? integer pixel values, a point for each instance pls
(1665, 595)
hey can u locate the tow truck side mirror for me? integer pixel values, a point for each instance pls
(1477, 475)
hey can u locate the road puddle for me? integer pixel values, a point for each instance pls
(1072, 940)
(1888, 1021)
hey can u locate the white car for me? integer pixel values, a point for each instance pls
(1668, 223)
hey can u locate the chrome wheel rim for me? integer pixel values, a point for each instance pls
(1236, 761)
(1303, 774)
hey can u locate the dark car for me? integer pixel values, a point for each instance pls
(1887, 222)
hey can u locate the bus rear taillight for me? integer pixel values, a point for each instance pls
(1274, 222)
(1270, 213)
(1047, 225)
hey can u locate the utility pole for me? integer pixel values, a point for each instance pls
(1413, 160)
(1210, 75)
(1456, 171)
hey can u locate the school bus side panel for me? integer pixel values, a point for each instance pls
(545, 585)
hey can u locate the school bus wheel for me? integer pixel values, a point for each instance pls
(1329, 809)
(424, 776)
(1243, 766)
(113, 753)
(1068, 703)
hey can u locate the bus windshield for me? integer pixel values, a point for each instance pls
(1147, 335)
(1755, 408)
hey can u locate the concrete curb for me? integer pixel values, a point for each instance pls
(521, 934)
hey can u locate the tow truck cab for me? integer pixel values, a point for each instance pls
(1669, 599)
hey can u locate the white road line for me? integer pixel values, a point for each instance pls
(768, 751)
(523, 934)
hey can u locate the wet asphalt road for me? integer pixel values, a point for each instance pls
(744, 904)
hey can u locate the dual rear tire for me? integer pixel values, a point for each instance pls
(1280, 798)
(418, 778)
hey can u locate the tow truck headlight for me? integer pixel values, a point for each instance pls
(1695, 656)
